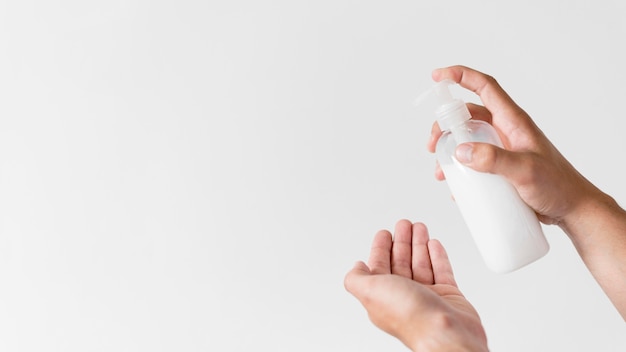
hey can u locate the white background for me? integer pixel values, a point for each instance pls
(199, 176)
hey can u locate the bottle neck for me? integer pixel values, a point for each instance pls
(452, 114)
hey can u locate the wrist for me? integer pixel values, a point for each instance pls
(588, 215)
(598, 231)
(446, 334)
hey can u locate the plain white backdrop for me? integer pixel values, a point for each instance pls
(200, 175)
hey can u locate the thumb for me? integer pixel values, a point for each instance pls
(353, 281)
(484, 157)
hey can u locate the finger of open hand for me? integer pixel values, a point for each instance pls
(380, 253)
(420, 264)
(401, 249)
(442, 269)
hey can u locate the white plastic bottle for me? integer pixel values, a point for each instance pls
(506, 230)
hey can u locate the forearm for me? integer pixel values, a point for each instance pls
(597, 228)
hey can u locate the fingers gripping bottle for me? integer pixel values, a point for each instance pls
(506, 230)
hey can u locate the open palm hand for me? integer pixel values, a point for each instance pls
(409, 291)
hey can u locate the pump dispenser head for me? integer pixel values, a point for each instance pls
(450, 111)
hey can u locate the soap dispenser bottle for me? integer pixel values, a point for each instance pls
(506, 230)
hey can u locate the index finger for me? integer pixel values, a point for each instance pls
(380, 254)
(486, 87)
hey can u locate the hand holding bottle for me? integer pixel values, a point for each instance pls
(408, 288)
(545, 180)
(505, 229)
(543, 177)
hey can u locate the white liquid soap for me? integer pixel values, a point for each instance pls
(506, 230)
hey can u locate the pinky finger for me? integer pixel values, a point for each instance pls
(442, 269)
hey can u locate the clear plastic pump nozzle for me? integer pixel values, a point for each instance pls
(449, 110)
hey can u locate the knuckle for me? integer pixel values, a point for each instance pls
(532, 167)
(490, 79)
(486, 158)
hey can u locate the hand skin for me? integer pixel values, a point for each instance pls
(545, 180)
(409, 291)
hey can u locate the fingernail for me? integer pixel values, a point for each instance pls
(435, 73)
(464, 153)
